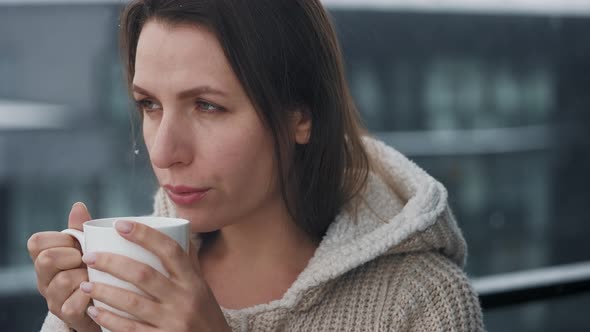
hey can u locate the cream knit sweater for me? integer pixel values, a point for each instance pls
(397, 269)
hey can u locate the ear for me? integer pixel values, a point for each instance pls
(301, 124)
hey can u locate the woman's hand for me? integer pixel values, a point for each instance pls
(181, 303)
(59, 269)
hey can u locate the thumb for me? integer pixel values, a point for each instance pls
(78, 215)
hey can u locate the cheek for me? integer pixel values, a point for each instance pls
(245, 161)
(148, 134)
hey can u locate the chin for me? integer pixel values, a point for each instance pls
(196, 224)
(201, 221)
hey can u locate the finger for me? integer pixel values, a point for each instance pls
(63, 286)
(53, 260)
(41, 241)
(74, 308)
(78, 215)
(143, 276)
(194, 245)
(174, 259)
(140, 307)
(116, 323)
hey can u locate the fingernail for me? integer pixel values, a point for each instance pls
(89, 258)
(92, 312)
(79, 204)
(123, 226)
(86, 287)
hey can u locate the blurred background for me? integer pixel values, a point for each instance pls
(490, 97)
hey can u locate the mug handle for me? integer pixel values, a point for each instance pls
(78, 235)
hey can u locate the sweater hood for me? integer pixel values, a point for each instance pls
(409, 214)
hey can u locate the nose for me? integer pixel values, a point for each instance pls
(170, 144)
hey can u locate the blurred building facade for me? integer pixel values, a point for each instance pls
(494, 105)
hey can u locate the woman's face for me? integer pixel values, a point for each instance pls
(200, 128)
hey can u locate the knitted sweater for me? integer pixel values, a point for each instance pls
(397, 268)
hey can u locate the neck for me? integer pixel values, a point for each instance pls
(267, 240)
(256, 260)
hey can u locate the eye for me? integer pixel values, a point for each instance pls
(208, 107)
(147, 105)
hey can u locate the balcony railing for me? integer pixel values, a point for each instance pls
(532, 285)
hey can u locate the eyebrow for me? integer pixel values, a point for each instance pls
(199, 90)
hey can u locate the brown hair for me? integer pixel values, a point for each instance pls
(286, 55)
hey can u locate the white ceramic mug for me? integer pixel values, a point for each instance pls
(100, 235)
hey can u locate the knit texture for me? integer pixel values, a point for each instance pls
(397, 267)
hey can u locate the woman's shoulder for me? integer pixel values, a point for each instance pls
(418, 291)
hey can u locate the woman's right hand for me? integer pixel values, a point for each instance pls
(60, 270)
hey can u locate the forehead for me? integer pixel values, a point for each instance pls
(180, 52)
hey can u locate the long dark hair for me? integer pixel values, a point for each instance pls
(286, 55)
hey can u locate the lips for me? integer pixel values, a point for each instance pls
(184, 195)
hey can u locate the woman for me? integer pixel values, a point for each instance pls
(303, 222)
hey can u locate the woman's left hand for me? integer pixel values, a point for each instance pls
(182, 302)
